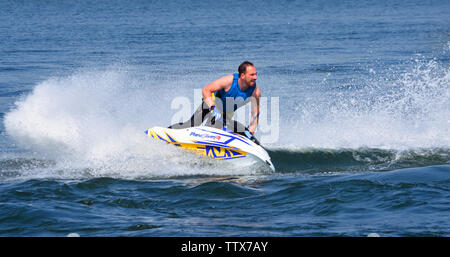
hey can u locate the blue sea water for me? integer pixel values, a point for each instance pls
(362, 140)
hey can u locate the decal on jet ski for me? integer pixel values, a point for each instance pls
(193, 134)
(214, 150)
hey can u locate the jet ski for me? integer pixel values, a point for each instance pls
(213, 142)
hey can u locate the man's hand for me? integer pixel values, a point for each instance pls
(252, 128)
(215, 114)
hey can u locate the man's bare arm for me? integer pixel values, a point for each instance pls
(222, 83)
(255, 110)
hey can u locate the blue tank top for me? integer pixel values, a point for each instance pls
(239, 96)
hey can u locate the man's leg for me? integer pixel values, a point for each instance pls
(196, 120)
(235, 126)
(239, 128)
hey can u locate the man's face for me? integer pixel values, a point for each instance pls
(250, 76)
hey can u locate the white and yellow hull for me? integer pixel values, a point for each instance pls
(211, 142)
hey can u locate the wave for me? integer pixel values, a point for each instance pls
(321, 160)
(302, 161)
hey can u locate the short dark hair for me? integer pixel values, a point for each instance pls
(243, 67)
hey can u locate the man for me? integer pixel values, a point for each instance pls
(223, 96)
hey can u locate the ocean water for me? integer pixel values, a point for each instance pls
(360, 136)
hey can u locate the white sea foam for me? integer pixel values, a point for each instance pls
(92, 124)
(408, 110)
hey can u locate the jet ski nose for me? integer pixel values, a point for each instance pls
(270, 165)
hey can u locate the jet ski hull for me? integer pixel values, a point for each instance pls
(211, 142)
